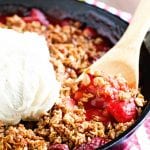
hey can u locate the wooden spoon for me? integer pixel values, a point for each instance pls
(123, 58)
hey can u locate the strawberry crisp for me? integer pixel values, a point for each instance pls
(95, 108)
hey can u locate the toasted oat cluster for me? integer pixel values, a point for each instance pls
(93, 111)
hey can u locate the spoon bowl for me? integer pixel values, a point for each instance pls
(123, 58)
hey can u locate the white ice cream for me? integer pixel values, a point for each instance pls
(28, 86)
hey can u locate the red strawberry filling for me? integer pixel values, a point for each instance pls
(105, 103)
(103, 46)
(58, 147)
(89, 32)
(122, 111)
(93, 144)
(101, 115)
(36, 15)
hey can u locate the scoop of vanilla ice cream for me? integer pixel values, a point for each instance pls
(28, 86)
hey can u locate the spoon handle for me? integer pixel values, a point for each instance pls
(140, 23)
(124, 56)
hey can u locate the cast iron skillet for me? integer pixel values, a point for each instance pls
(106, 24)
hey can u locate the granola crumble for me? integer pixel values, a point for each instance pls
(73, 49)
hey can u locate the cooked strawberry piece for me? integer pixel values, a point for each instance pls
(91, 88)
(3, 19)
(66, 22)
(93, 144)
(103, 46)
(122, 111)
(78, 95)
(89, 32)
(98, 102)
(30, 19)
(98, 141)
(92, 113)
(36, 15)
(84, 146)
(88, 105)
(58, 147)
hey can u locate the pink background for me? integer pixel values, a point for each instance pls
(125, 5)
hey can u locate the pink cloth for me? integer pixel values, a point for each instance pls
(140, 139)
